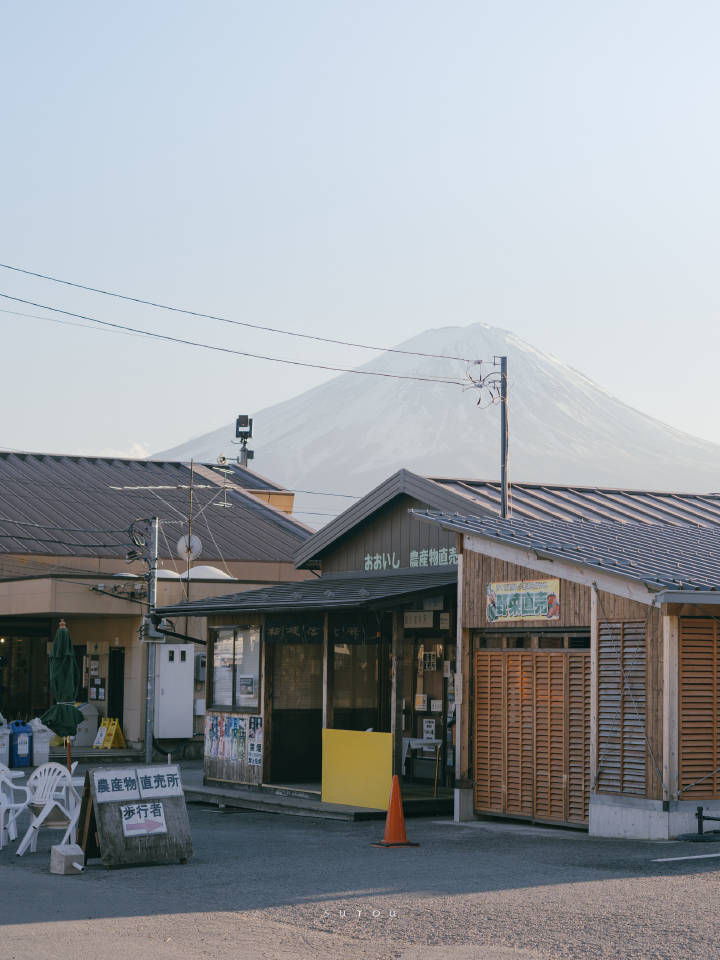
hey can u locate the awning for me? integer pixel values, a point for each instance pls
(332, 592)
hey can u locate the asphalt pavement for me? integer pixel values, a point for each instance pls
(264, 886)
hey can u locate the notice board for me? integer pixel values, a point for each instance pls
(134, 815)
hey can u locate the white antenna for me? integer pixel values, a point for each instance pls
(188, 547)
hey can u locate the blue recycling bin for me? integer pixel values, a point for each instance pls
(20, 744)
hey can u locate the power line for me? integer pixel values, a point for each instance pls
(44, 526)
(230, 350)
(64, 543)
(321, 493)
(81, 326)
(237, 323)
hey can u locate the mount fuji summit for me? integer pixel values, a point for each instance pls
(351, 432)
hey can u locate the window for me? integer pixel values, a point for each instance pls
(236, 668)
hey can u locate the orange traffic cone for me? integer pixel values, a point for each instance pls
(395, 821)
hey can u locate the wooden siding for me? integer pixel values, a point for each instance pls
(532, 734)
(389, 531)
(479, 570)
(699, 707)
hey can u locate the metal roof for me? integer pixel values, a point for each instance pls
(243, 477)
(543, 501)
(341, 590)
(660, 556)
(536, 501)
(41, 491)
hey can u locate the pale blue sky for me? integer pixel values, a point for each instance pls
(362, 170)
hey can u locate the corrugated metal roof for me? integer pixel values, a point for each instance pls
(661, 556)
(243, 477)
(542, 501)
(96, 493)
(342, 590)
(534, 501)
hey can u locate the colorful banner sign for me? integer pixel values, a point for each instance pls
(523, 600)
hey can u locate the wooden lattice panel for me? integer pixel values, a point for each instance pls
(699, 707)
(622, 708)
(532, 730)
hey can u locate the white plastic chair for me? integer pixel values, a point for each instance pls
(53, 803)
(10, 806)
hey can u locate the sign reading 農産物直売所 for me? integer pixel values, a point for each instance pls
(523, 600)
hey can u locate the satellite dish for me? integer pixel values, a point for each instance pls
(188, 547)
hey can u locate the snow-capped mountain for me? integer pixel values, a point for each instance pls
(353, 431)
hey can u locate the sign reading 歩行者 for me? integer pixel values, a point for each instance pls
(143, 819)
(523, 600)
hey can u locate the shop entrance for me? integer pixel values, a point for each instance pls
(532, 727)
(116, 682)
(296, 723)
(24, 672)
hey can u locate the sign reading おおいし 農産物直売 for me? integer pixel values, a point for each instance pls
(523, 600)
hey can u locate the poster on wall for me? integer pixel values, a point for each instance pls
(255, 741)
(212, 735)
(523, 600)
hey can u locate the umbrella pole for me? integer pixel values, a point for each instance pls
(67, 750)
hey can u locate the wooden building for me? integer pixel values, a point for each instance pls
(588, 658)
(389, 636)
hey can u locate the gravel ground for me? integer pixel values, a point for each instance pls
(283, 887)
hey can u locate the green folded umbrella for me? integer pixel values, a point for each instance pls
(63, 716)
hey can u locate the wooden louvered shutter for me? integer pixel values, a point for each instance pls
(489, 730)
(578, 737)
(550, 736)
(622, 691)
(519, 734)
(699, 708)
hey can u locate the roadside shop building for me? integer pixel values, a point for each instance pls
(372, 641)
(588, 659)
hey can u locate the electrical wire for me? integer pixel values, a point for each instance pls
(81, 326)
(64, 543)
(217, 548)
(239, 353)
(237, 323)
(43, 526)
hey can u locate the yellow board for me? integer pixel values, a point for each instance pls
(356, 768)
(109, 735)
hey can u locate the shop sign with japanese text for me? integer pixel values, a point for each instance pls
(144, 783)
(523, 600)
(431, 557)
(111, 787)
(143, 819)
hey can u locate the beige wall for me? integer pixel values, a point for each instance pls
(98, 634)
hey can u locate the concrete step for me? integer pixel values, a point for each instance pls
(92, 755)
(264, 801)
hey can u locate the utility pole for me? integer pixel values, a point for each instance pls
(152, 600)
(496, 386)
(503, 435)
